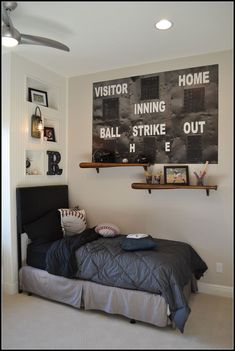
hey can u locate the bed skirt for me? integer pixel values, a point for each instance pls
(133, 304)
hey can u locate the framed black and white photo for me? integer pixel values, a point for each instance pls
(38, 97)
(49, 134)
(176, 175)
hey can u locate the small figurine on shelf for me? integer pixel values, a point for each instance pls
(28, 164)
(148, 177)
(156, 178)
(200, 177)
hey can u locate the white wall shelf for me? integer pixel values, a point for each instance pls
(34, 163)
(36, 148)
(52, 91)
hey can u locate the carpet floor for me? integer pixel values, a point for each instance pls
(31, 322)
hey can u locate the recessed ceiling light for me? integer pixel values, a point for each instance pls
(163, 24)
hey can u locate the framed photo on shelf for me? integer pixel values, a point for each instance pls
(176, 175)
(38, 97)
(49, 134)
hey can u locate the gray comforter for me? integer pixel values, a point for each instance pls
(164, 270)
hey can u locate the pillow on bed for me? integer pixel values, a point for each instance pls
(107, 229)
(130, 244)
(73, 220)
(45, 229)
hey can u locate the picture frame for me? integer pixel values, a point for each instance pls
(49, 134)
(38, 97)
(178, 175)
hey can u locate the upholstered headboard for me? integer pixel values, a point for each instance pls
(34, 202)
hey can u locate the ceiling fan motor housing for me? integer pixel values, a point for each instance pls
(10, 5)
(11, 32)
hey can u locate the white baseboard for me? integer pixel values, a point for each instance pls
(212, 289)
(10, 288)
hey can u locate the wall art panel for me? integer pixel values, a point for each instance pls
(168, 117)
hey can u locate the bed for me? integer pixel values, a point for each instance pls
(84, 290)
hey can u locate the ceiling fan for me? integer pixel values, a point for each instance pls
(12, 37)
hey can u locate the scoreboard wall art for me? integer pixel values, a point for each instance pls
(168, 117)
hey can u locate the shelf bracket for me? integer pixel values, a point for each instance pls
(149, 190)
(207, 192)
(97, 170)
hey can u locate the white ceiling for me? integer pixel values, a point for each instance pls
(108, 35)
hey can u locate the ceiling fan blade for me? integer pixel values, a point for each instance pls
(35, 40)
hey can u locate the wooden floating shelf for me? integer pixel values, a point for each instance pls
(99, 165)
(149, 187)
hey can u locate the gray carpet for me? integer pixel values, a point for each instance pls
(31, 322)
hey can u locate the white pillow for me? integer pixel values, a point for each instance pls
(107, 229)
(73, 221)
